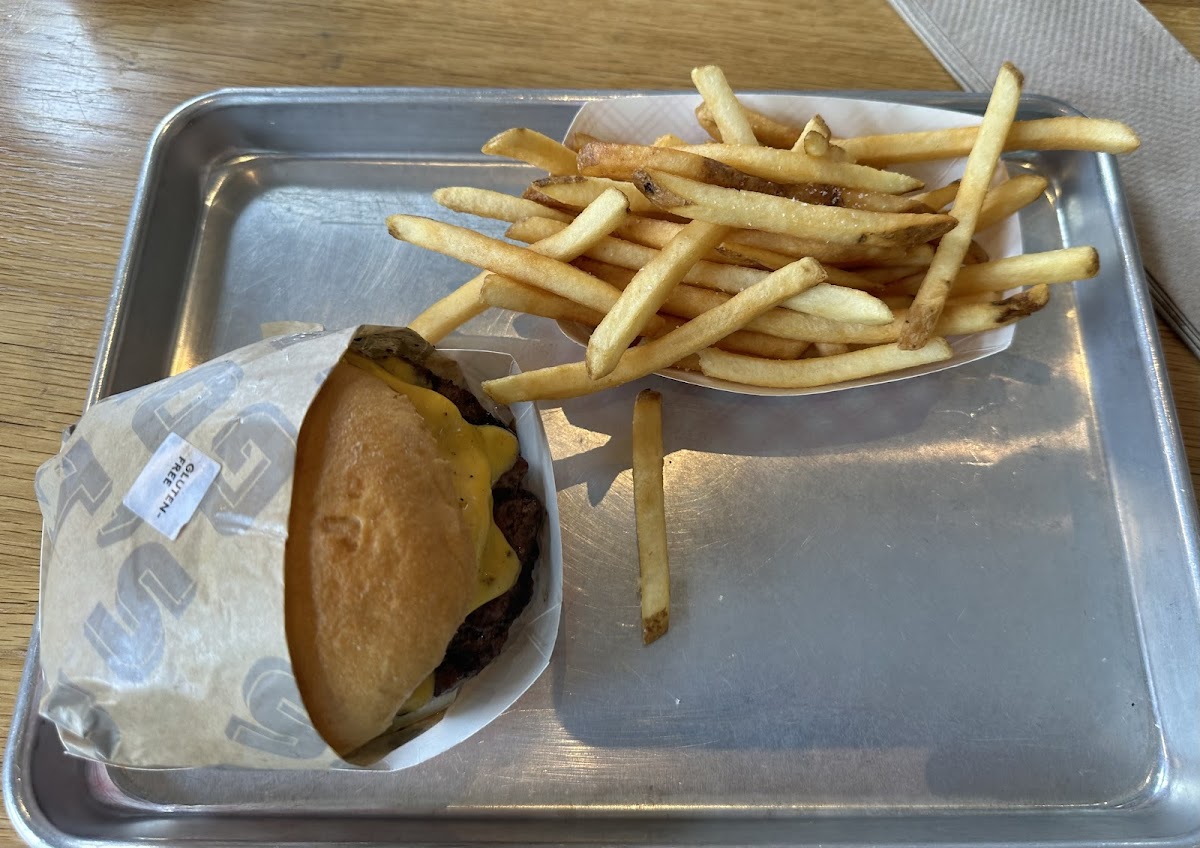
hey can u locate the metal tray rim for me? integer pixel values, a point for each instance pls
(28, 818)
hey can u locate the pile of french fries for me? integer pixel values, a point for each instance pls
(776, 256)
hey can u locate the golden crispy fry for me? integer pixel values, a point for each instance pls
(938, 198)
(649, 508)
(815, 141)
(831, 253)
(1103, 136)
(1008, 197)
(570, 194)
(532, 147)
(814, 133)
(831, 301)
(821, 371)
(1029, 269)
(571, 380)
(885, 274)
(565, 244)
(446, 315)
(787, 166)
(767, 130)
(506, 259)
(646, 292)
(746, 209)
(726, 111)
(669, 140)
(494, 204)
(622, 161)
(579, 140)
(981, 165)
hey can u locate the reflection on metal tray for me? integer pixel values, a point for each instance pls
(961, 608)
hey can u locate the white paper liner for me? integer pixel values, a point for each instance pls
(161, 654)
(640, 120)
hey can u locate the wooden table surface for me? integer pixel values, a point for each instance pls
(83, 83)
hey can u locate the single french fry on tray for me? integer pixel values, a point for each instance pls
(1097, 134)
(1028, 269)
(531, 146)
(572, 380)
(952, 250)
(1009, 197)
(494, 204)
(570, 194)
(819, 371)
(787, 166)
(751, 210)
(650, 517)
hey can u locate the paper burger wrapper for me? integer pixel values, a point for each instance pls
(162, 611)
(640, 120)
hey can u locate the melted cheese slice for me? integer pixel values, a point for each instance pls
(478, 455)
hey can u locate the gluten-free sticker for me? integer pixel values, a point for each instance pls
(171, 486)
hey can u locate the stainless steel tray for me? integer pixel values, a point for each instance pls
(959, 609)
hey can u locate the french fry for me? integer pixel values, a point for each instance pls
(444, 316)
(505, 259)
(787, 166)
(1009, 197)
(726, 111)
(503, 293)
(767, 130)
(733, 208)
(830, 349)
(654, 232)
(821, 371)
(571, 380)
(580, 140)
(622, 161)
(815, 141)
(531, 146)
(830, 253)
(570, 194)
(814, 138)
(938, 198)
(1102, 136)
(572, 240)
(669, 140)
(494, 204)
(649, 508)
(646, 292)
(831, 301)
(1028, 269)
(981, 165)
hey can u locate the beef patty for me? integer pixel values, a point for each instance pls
(519, 515)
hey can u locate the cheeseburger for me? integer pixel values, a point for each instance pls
(411, 542)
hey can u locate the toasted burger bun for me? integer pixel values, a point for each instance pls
(379, 569)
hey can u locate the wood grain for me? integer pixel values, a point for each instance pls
(82, 85)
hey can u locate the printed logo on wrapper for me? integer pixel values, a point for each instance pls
(168, 491)
(640, 120)
(194, 627)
